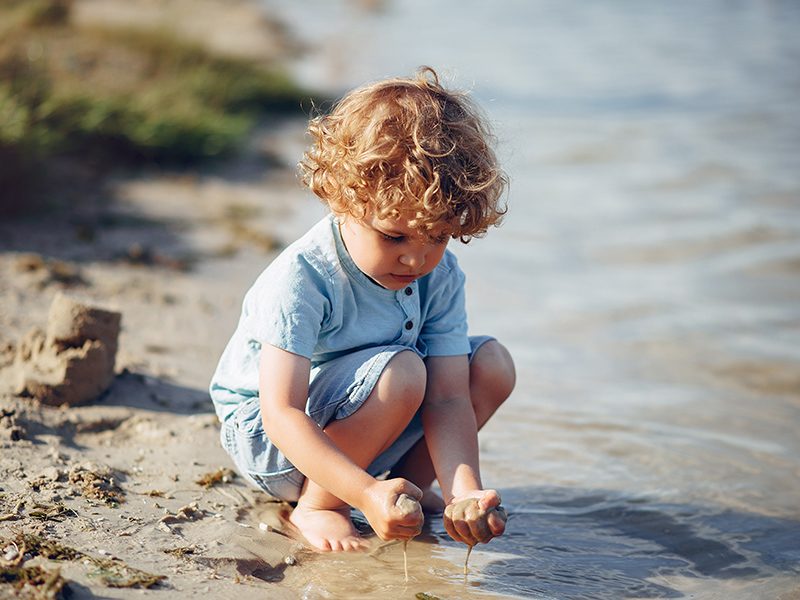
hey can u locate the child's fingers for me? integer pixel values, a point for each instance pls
(450, 527)
(464, 532)
(468, 522)
(456, 521)
(480, 530)
(407, 533)
(496, 521)
(404, 486)
(489, 499)
(475, 518)
(412, 521)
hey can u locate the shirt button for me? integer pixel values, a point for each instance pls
(409, 291)
(409, 325)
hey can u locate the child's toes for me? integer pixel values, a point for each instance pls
(354, 545)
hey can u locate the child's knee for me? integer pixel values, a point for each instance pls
(492, 372)
(403, 380)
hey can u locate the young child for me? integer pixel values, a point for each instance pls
(351, 358)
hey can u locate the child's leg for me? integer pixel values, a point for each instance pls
(322, 517)
(491, 380)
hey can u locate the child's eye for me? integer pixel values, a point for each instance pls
(391, 238)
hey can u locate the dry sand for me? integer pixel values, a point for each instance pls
(129, 483)
(118, 476)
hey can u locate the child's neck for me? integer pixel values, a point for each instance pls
(344, 244)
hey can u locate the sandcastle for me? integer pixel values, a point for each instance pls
(72, 362)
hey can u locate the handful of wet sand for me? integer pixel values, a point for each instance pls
(73, 361)
(408, 506)
(470, 508)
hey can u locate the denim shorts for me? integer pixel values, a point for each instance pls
(337, 389)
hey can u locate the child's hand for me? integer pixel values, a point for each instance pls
(389, 521)
(475, 517)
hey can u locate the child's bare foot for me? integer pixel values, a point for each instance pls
(327, 530)
(432, 503)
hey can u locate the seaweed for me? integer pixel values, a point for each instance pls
(98, 485)
(7, 513)
(33, 582)
(36, 545)
(221, 475)
(190, 512)
(181, 551)
(50, 512)
(113, 572)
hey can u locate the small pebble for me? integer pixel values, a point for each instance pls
(10, 553)
(50, 474)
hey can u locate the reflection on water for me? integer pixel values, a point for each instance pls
(647, 281)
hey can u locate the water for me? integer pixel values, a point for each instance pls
(647, 281)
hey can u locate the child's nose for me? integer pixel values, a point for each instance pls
(413, 259)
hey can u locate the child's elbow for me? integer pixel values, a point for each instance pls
(270, 418)
(277, 419)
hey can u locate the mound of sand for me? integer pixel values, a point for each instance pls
(72, 362)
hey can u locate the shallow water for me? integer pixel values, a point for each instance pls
(647, 281)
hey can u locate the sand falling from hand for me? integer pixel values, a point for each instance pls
(470, 508)
(408, 506)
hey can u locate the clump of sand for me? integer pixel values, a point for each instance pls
(72, 362)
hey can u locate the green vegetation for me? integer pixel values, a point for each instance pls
(120, 95)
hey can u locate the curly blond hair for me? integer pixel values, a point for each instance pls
(407, 148)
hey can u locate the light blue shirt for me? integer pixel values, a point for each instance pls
(312, 300)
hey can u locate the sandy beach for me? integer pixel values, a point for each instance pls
(120, 478)
(129, 493)
(152, 435)
(645, 281)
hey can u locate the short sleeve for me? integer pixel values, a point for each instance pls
(287, 306)
(444, 330)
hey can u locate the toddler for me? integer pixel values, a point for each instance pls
(350, 378)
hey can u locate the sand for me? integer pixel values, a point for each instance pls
(107, 459)
(112, 317)
(113, 314)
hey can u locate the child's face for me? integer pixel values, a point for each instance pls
(389, 252)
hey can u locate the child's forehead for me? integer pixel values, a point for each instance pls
(406, 225)
(393, 224)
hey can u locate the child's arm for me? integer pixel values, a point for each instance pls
(452, 437)
(283, 390)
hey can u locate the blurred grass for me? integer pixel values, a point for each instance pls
(119, 96)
